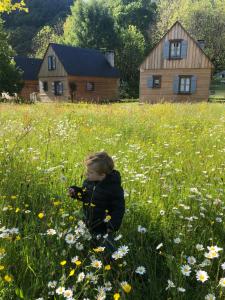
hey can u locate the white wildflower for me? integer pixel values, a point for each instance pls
(202, 276)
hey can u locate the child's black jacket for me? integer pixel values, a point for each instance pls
(101, 198)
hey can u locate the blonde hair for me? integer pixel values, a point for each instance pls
(101, 162)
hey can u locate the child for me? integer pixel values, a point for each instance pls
(102, 196)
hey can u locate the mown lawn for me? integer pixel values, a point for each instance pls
(171, 158)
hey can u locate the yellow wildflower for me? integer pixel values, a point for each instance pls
(41, 215)
(99, 249)
(62, 263)
(107, 218)
(8, 278)
(2, 267)
(72, 272)
(116, 296)
(126, 287)
(17, 209)
(107, 267)
(78, 262)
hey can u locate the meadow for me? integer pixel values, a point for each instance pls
(172, 241)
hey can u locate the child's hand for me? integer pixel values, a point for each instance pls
(71, 192)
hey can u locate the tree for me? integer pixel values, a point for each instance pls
(23, 27)
(10, 77)
(9, 5)
(90, 25)
(129, 56)
(140, 13)
(46, 35)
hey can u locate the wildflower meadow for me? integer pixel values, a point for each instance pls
(171, 244)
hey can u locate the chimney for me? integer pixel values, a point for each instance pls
(201, 43)
(110, 57)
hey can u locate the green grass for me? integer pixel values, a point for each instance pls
(217, 92)
(171, 158)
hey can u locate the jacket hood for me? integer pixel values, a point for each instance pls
(114, 177)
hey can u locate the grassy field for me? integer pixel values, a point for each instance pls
(217, 92)
(171, 158)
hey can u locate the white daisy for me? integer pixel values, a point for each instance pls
(186, 270)
(140, 270)
(202, 276)
(96, 264)
(70, 238)
(191, 260)
(60, 290)
(222, 282)
(210, 297)
(68, 293)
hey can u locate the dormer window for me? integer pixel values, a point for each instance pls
(175, 49)
(51, 63)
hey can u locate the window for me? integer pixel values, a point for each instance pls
(90, 86)
(58, 88)
(156, 81)
(175, 49)
(185, 84)
(51, 63)
(45, 86)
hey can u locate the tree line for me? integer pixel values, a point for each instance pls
(129, 27)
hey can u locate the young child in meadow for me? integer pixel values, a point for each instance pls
(103, 199)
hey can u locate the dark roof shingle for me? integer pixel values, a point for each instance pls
(84, 62)
(29, 66)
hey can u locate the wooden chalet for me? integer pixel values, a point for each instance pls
(70, 73)
(176, 70)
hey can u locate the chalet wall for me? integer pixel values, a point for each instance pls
(166, 93)
(59, 71)
(195, 57)
(105, 88)
(49, 96)
(30, 86)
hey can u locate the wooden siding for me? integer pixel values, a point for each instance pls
(30, 86)
(195, 56)
(59, 71)
(49, 96)
(166, 93)
(105, 88)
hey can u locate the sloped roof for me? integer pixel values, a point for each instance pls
(84, 62)
(29, 66)
(195, 42)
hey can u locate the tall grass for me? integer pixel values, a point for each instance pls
(171, 158)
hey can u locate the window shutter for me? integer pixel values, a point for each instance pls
(176, 84)
(53, 87)
(40, 85)
(61, 88)
(53, 62)
(193, 84)
(184, 46)
(150, 82)
(49, 62)
(166, 50)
